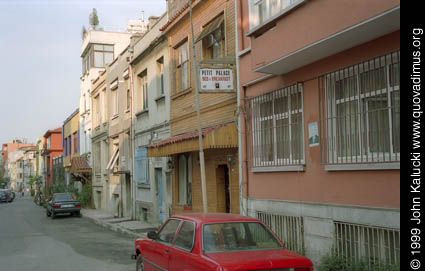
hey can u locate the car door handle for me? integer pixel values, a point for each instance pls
(166, 250)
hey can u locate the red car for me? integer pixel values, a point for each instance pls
(215, 242)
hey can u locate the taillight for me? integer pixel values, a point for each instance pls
(56, 206)
(304, 268)
(78, 205)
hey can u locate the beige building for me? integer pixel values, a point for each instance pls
(151, 107)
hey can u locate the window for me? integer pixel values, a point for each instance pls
(186, 236)
(262, 10)
(103, 55)
(213, 42)
(160, 67)
(86, 62)
(97, 114)
(114, 104)
(375, 245)
(144, 91)
(185, 179)
(237, 236)
(277, 128)
(128, 99)
(361, 112)
(97, 158)
(141, 165)
(75, 142)
(182, 67)
(167, 233)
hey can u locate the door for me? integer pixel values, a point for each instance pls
(223, 192)
(128, 196)
(156, 255)
(159, 194)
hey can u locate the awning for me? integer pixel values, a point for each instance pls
(218, 136)
(79, 165)
(113, 160)
(210, 28)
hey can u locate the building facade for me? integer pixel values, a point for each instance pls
(321, 124)
(52, 148)
(99, 48)
(151, 107)
(100, 143)
(214, 35)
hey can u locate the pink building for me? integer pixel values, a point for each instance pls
(319, 85)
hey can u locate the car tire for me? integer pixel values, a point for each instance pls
(139, 264)
(47, 213)
(53, 215)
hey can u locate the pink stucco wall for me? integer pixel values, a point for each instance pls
(377, 188)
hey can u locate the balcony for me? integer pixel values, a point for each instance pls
(306, 41)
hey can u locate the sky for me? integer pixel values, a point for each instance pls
(40, 46)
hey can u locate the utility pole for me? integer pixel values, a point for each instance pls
(201, 147)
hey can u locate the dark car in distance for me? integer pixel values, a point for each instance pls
(6, 195)
(62, 203)
(3, 196)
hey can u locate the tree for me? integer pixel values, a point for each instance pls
(93, 19)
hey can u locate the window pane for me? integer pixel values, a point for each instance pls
(346, 87)
(282, 141)
(347, 129)
(267, 139)
(98, 59)
(168, 231)
(395, 102)
(184, 79)
(237, 236)
(297, 140)
(98, 47)
(379, 134)
(185, 237)
(373, 80)
(109, 57)
(109, 48)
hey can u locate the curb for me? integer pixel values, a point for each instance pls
(115, 228)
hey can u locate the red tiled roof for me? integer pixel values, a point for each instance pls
(186, 136)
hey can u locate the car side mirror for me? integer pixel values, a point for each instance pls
(152, 235)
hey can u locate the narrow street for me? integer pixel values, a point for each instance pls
(29, 240)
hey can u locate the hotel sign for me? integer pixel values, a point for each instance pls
(216, 79)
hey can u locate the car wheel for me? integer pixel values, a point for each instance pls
(53, 215)
(139, 264)
(47, 213)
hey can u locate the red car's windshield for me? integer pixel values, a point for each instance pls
(233, 236)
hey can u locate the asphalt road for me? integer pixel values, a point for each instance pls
(29, 240)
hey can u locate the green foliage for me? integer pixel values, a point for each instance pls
(32, 191)
(85, 196)
(94, 19)
(333, 262)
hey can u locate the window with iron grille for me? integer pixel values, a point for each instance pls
(360, 112)
(277, 128)
(375, 245)
(290, 229)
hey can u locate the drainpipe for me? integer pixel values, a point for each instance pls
(243, 211)
(132, 144)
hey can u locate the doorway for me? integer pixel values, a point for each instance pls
(159, 197)
(127, 195)
(223, 190)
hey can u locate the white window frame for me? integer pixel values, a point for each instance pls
(360, 98)
(258, 158)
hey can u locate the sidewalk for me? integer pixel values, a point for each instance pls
(126, 225)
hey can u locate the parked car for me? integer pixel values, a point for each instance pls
(215, 242)
(3, 196)
(62, 203)
(9, 195)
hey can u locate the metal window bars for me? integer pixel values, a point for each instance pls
(377, 246)
(290, 229)
(360, 112)
(275, 127)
